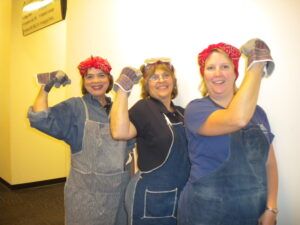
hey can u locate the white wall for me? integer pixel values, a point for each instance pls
(128, 31)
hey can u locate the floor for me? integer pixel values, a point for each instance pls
(32, 206)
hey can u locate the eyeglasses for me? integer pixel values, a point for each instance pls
(155, 61)
(156, 77)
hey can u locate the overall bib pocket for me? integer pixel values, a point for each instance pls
(154, 199)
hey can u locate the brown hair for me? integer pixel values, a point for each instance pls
(149, 71)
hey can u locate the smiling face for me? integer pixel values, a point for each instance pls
(219, 77)
(161, 84)
(96, 82)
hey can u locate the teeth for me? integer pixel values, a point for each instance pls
(162, 86)
(219, 82)
(98, 86)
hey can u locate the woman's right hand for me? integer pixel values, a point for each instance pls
(55, 78)
(128, 77)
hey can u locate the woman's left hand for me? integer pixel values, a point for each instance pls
(267, 218)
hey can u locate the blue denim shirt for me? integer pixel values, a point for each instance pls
(65, 121)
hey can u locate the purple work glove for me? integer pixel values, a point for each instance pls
(128, 77)
(256, 51)
(55, 78)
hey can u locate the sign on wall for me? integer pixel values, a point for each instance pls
(36, 19)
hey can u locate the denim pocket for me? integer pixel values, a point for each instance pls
(160, 204)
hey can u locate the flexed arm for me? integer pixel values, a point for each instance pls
(41, 101)
(121, 127)
(242, 106)
(239, 111)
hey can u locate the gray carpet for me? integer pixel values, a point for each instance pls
(32, 206)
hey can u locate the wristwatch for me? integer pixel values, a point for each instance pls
(273, 210)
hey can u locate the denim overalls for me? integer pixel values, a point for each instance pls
(152, 196)
(95, 188)
(234, 194)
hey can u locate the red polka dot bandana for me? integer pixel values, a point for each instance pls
(95, 62)
(232, 52)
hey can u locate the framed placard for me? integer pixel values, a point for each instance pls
(49, 13)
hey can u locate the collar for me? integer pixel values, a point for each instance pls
(94, 101)
(161, 106)
(216, 104)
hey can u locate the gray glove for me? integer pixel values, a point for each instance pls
(256, 51)
(55, 78)
(128, 77)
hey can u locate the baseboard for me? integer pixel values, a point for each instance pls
(32, 184)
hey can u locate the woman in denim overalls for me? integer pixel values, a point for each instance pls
(233, 178)
(157, 124)
(95, 189)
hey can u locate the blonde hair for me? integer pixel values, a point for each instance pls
(203, 88)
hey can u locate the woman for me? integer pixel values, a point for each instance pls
(95, 188)
(157, 125)
(233, 177)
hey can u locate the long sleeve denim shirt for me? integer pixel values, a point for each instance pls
(65, 121)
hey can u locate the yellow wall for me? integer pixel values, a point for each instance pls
(5, 20)
(33, 155)
(126, 32)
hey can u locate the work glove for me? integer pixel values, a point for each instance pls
(256, 51)
(55, 78)
(128, 77)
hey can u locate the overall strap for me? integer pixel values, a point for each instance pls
(178, 111)
(85, 108)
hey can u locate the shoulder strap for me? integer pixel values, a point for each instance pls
(85, 108)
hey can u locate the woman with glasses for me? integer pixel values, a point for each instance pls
(95, 188)
(233, 179)
(157, 126)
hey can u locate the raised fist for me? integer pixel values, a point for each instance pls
(128, 77)
(55, 78)
(256, 51)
